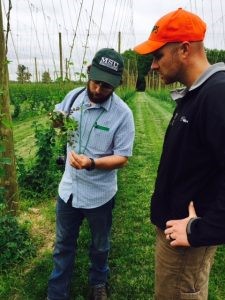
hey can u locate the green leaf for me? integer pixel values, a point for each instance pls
(8, 61)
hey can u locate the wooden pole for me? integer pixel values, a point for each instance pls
(8, 178)
(67, 66)
(128, 72)
(36, 72)
(119, 41)
(60, 55)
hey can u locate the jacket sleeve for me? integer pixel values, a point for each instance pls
(210, 228)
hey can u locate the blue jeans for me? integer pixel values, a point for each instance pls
(68, 222)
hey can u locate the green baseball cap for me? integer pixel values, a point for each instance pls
(107, 66)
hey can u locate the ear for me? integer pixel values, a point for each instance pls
(185, 48)
(88, 69)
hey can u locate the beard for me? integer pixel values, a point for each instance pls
(96, 97)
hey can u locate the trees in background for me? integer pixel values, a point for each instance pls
(46, 78)
(23, 74)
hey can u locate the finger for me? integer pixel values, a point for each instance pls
(168, 230)
(177, 242)
(168, 237)
(71, 157)
(74, 162)
(191, 209)
(170, 223)
(75, 159)
(73, 154)
(171, 237)
(174, 243)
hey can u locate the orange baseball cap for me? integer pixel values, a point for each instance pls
(177, 26)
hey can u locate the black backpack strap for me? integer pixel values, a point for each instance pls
(73, 99)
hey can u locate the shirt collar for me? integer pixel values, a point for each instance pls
(181, 92)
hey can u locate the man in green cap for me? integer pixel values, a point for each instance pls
(103, 143)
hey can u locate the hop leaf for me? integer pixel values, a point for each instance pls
(66, 126)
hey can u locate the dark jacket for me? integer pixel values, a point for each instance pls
(192, 165)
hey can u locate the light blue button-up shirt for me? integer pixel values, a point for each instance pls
(104, 129)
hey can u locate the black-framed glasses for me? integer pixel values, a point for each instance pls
(103, 84)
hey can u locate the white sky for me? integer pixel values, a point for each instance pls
(147, 12)
(35, 25)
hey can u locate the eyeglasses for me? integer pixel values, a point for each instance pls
(103, 85)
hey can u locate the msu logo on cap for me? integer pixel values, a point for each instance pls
(109, 63)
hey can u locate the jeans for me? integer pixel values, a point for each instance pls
(181, 272)
(68, 222)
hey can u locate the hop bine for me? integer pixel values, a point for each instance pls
(65, 128)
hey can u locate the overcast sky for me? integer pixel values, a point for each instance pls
(147, 12)
(35, 25)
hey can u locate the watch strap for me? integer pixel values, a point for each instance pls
(92, 166)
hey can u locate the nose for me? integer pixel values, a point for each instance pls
(154, 65)
(98, 88)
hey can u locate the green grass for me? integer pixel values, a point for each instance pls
(24, 135)
(133, 236)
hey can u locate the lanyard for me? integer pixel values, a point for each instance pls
(89, 134)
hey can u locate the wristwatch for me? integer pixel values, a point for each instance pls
(92, 166)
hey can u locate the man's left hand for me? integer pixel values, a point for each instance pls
(176, 229)
(79, 161)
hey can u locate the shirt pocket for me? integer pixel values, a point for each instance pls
(193, 295)
(101, 141)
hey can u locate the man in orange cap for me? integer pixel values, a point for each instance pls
(188, 203)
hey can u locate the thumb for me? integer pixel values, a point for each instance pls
(191, 210)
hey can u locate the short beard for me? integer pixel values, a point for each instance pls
(97, 100)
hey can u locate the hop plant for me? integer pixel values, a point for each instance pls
(65, 126)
